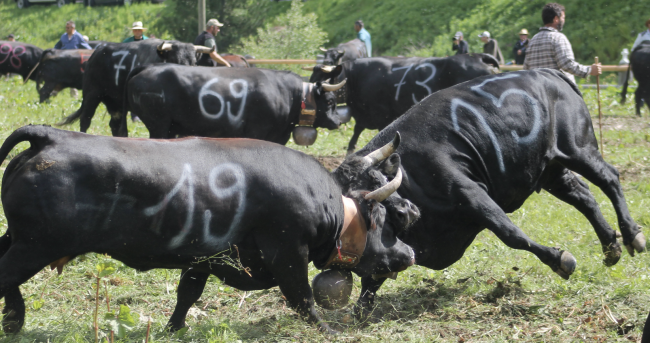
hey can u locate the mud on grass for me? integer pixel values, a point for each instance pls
(492, 294)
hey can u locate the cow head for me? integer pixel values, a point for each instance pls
(385, 213)
(325, 98)
(322, 72)
(332, 56)
(177, 53)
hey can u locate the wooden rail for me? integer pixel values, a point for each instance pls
(622, 67)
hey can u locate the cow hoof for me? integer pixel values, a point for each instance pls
(567, 265)
(612, 254)
(638, 244)
(10, 322)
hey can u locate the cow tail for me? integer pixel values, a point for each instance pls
(37, 135)
(627, 77)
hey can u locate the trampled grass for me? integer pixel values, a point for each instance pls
(493, 294)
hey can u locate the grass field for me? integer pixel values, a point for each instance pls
(493, 294)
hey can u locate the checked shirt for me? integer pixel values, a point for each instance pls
(551, 49)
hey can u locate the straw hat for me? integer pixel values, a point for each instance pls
(138, 26)
(523, 32)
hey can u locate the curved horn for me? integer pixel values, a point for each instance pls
(383, 152)
(165, 46)
(323, 49)
(308, 68)
(327, 69)
(331, 88)
(384, 192)
(204, 49)
(341, 51)
(30, 73)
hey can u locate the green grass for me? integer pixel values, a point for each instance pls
(493, 294)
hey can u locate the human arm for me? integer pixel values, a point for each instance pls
(566, 60)
(217, 58)
(58, 45)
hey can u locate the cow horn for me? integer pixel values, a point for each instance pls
(323, 49)
(204, 49)
(327, 69)
(384, 192)
(341, 51)
(308, 68)
(165, 46)
(331, 88)
(383, 152)
(30, 73)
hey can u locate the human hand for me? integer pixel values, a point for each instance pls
(596, 69)
(518, 52)
(456, 41)
(228, 65)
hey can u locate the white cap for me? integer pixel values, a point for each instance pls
(485, 34)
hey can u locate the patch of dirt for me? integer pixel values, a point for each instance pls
(330, 162)
(627, 123)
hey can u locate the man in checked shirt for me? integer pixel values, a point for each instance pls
(551, 49)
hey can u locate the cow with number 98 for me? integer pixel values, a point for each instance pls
(19, 58)
(174, 100)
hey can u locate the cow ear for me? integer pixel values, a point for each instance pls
(390, 166)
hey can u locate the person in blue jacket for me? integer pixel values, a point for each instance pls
(363, 36)
(71, 39)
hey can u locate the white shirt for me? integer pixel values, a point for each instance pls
(645, 35)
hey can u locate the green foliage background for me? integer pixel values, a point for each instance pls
(293, 34)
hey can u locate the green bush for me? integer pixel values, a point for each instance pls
(290, 35)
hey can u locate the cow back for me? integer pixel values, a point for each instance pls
(18, 58)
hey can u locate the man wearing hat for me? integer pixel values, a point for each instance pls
(11, 38)
(138, 33)
(459, 44)
(491, 46)
(519, 50)
(206, 38)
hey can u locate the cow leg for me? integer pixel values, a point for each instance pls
(355, 137)
(290, 268)
(481, 206)
(118, 124)
(638, 100)
(190, 288)
(591, 165)
(369, 288)
(569, 188)
(13, 314)
(88, 107)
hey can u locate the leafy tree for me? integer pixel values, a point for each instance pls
(292, 35)
(240, 18)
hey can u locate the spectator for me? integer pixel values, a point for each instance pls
(363, 36)
(643, 36)
(11, 38)
(520, 47)
(459, 44)
(491, 46)
(138, 33)
(71, 39)
(551, 49)
(206, 38)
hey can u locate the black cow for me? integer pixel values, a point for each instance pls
(173, 100)
(380, 89)
(97, 43)
(106, 73)
(476, 151)
(192, 203)
(348, 51)
(19, 58)
(59, 69)
(640, 66)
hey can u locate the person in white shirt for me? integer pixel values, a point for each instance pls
(643, 36)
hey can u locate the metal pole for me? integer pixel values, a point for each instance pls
(201, 15)
(600, 113)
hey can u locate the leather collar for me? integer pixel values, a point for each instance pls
(352, 241)
(307, 105)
